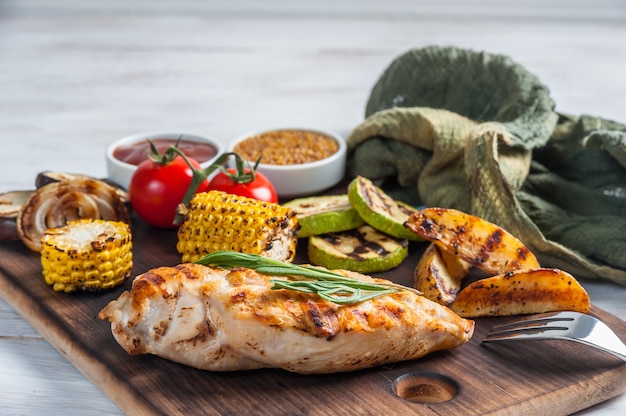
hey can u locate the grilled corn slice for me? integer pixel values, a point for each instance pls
(87, 255)
(217, 221)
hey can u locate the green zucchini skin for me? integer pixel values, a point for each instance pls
(324, 214)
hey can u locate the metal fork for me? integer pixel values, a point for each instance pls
(572, 326)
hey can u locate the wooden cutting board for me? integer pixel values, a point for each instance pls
(545, 377)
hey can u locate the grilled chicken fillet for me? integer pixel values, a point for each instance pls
(224, 320)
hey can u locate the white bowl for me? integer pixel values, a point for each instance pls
(302, 179)
(121, 172)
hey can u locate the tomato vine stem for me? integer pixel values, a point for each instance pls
(244, 173)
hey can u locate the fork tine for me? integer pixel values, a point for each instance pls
(537, 320)
(526, 333)
(520, 336)
(540, 326)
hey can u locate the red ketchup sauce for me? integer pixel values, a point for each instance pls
(135, 153)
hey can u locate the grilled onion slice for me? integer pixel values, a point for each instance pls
(56, 203)
(49, 176)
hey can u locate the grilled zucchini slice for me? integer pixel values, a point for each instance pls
(380, 210)
(363, 249)
(324, 214)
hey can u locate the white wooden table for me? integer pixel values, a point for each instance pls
(76, 75)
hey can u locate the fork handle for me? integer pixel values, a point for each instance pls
(613, 346)
(620, 354)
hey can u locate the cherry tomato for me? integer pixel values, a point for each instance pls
(258, 188)
(156, 189)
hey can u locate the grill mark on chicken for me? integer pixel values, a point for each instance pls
(160, 329)
(239, 297)
(136, 343)
(201, 337)
(151, 280)
(393, 313)
(188, 274)
(322, 320)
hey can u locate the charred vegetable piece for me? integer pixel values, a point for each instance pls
(439, 275)
(380, 210)
(55, 204)
(10, 204)
(87, 255)
(324, 214)
(363, 250)
(473, 239)
(522, 292)
(48, 176)
(216, 221)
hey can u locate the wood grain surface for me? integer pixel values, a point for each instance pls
(558, 377)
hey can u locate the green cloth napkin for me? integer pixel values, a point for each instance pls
(477, 132)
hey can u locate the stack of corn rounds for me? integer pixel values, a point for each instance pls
(217, 221)
(87, 255)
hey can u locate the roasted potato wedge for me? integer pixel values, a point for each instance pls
(518, 285)
(522, 292)
(482, 244)
(438, 275)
